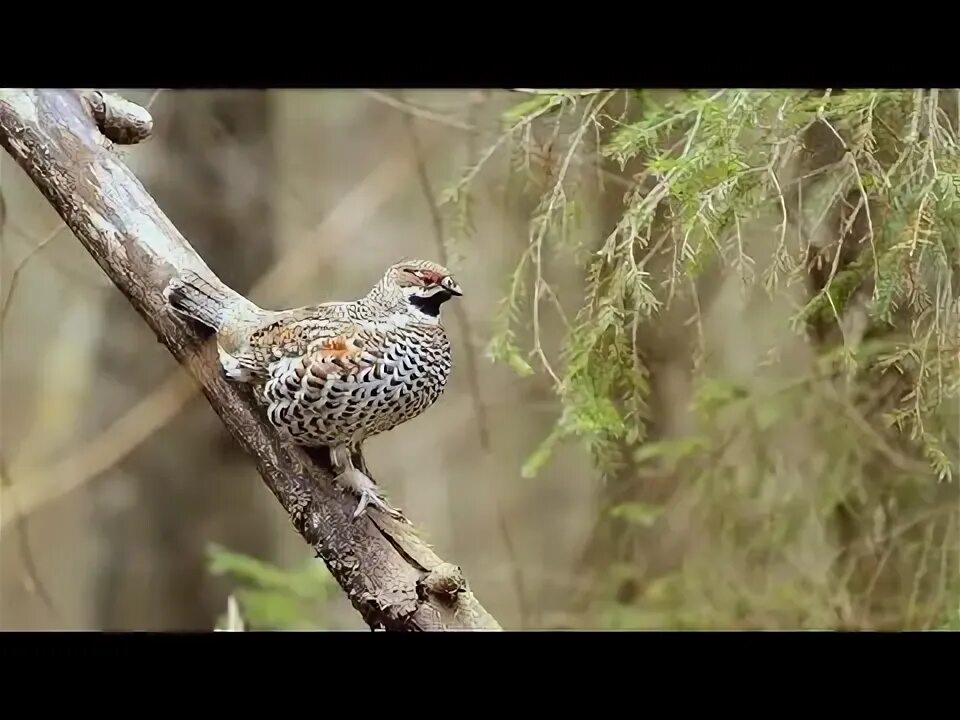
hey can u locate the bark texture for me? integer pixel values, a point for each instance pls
(392, 577)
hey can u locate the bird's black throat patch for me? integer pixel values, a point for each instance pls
(430, 305)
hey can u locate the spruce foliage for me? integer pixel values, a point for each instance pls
(823, 492)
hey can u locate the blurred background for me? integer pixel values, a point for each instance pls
(126, 505)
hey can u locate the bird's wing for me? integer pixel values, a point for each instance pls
(345, 350)
(342, 350)
(295, 333)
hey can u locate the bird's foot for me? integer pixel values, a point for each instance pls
(361, 485)
(370, 497)
(231, 367)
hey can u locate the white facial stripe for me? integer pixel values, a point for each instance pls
(424, 291)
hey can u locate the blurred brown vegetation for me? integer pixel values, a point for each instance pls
(118, 479)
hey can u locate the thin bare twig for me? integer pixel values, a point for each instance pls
(555, 91)
(536, 242)
(15, 278)
(412, 110)
(523, 123)
(40, 487)
(33, 583)
(896, 458)
(863, 192)
(473, 374)
(519, 586)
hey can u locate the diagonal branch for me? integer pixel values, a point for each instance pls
(392, 578)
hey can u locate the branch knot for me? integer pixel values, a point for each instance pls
(120, 120)
(445, 583)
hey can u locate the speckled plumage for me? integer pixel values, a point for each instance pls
(356, 378)
(338, 373)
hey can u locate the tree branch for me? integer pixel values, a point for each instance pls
(392, 578)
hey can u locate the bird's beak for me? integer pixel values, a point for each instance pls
(450, 285)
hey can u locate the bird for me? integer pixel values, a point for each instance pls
(336, 373)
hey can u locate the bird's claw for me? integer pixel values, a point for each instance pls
(358, 483)
(369, 497)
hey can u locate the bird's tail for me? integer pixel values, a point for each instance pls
(199, 299)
